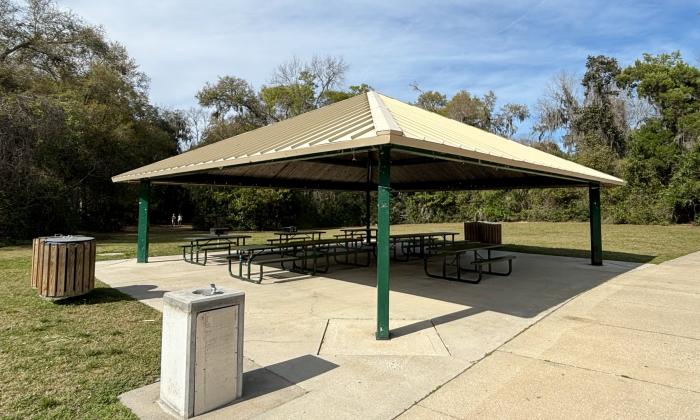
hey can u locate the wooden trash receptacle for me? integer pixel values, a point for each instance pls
(488, 232)
(63, 266)
(471, 231)
(491, 233)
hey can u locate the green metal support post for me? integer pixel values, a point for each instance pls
(142, 239)
(383, 226)
(596, 235)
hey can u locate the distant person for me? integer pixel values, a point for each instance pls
(179, 219)
(173, 220)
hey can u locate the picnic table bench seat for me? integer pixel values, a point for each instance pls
(299, 255)
(269, 260)
(208, 243)
(340, 251)
(196, 249)
(248, 261)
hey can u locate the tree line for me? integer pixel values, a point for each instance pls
(74, 111)
(640, 123)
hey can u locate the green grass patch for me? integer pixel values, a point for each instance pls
(635, 243)
(71, 359)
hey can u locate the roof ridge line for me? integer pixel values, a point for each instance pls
(384, 122)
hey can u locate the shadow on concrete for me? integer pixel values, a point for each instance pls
(442, 319)
(579, 253)
(281, 375)
(165, 260)
(143, 291)
(538, 283)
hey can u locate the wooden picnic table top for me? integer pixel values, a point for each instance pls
(421, 234)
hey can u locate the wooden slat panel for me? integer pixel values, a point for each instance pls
(45, 258)
(86, 265)
(70, 269)
(491, 233)
(79, 273)
(40, 273)
(53, 258)
(35, 260)
(471, 231)
(61, 270)
(93, 251)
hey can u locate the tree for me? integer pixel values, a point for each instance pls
(431, 101)
(235, 107)
(297, 87)
(673, 87)
(557, 110)
(504, 121)
(593, 125)
(233, 98)
(480, 113)
(471, 110)
(663, 150)
(601, 122)
(73, 113)
(46, 40)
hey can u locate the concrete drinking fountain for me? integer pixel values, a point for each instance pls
(202, 350)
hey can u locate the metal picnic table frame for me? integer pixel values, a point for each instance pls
(417, 240)
(368, 233)
(456, 251)
(296, 235)
(298, 252)
(199, 242)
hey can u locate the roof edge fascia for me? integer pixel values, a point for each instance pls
(409, 144)
(338, 148)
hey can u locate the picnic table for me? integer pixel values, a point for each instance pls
(302, 254)
(208, 243)
(366, 233)
(293, 235)
(415, 243)
(451, 255)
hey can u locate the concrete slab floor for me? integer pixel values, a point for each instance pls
(316, 333)
(621, 350)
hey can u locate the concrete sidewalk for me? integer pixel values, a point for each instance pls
(630, 348)
(558, 338)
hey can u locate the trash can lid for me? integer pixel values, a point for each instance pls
(68, 239)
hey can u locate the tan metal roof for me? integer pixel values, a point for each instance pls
(296, 152)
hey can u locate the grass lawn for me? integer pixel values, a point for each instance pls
(72, 360)
(635, 243)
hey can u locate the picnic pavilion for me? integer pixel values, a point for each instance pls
(365, 143)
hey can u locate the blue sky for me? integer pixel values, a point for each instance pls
(511, 47)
